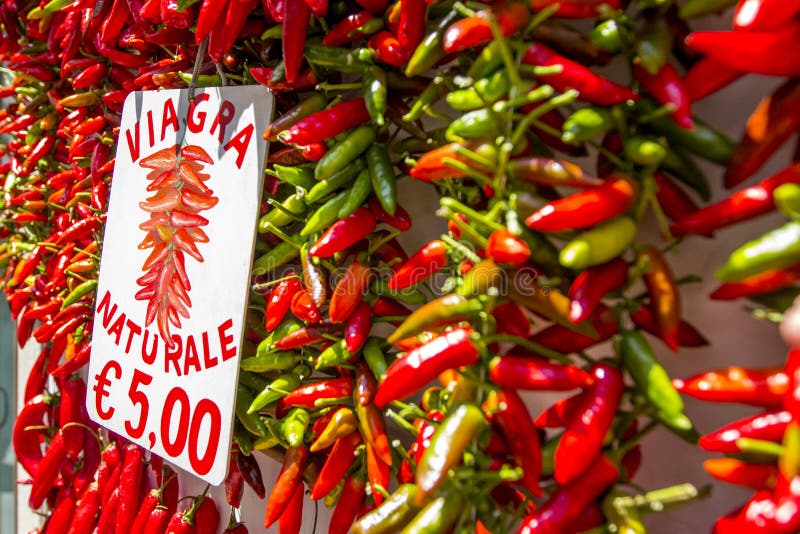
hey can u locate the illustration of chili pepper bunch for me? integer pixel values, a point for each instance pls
(173, 231)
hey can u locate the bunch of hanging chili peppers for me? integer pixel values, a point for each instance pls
(394, 385)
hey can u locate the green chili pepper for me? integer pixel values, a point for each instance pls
(429, 96)
(481, 123)
(489, 60)
(375, 91)
(338, 180)
(281, 254)
(652, 379)
(341, 154)
(644, 151)
(375, 359)
(586, 124)
(274, 361)
(269, 442)
(409, 295)
(293, 426)
(252, 380)
(202, 80)
(445, 310)
(484, 91)
(455, 433)
(608, 36)
(326, 215)
(698, 8)
(787, 200)
(777, 249)
(626, 520)
(483, 276)
(280, 216)
(337, 58)
(392, 514)
(336, 354)
(701, 140)
(299, 176)
(79, 292)
(244, 439)
(602, 243)
(683, 167)
(549, 455)
(438, 516)
(779, 301)
(381, 172)
(653, 44)
(430, 50)
(359, 192)
(251, 421)
(280, 387)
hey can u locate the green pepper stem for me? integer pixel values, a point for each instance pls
(458, 207)
(460, 248)
(528, 344)
(560, 100)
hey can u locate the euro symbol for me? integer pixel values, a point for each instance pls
(101, 383)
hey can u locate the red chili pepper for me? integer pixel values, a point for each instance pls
(771, 53)
(73, 397)
(791, 401)
(505, 247)
(667, 87)
(688, 335)
(131, 488)
(429, 259)
(400, 220)
(561, 412)
(80, 359)
(534, 374)
(308, 395)
(571, 500)
(45, 477)
(592, 285)
(370, 419)
(91, 75)
(251, 472)
(772, 123)
(347, 30)
(473, 31)
(413, 371)
(344, 233)
(339, 460)
(86, 510)
(592, 87)
(755, 285)
(348, 505)
(327, 123)
(280, 299)
(756, 387)
(61, 517)
(291, 519)
(562, 339)
(294, 464)
(582, 441)
(349, 291)
(388, 49)
(234, 482)
(510, 318)
(304, 308)
(378, 474)
(521, 435)
(295, 26)
(28, 433)
(357, 328)
(158, 520)
(768, 426)
(763, 15)
(210, 12)
(432, 166)
(585, 208)
(179, 523)
(664, 295)
(575, 9)
(741, 473)
(411, 26)
(206, 517)
(708, 76)
(674, 201)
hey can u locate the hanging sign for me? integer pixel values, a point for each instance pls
(175, 271)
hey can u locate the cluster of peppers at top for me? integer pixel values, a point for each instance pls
(540, 261)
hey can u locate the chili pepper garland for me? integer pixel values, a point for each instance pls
(317, 386)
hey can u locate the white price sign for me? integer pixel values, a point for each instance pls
(175, 271)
